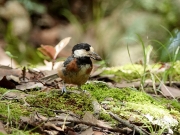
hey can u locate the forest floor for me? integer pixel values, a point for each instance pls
(130, 99)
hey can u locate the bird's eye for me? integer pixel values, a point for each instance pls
(87, 49)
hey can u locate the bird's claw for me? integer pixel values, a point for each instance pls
(64, 90)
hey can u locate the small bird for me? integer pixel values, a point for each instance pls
(76, 68)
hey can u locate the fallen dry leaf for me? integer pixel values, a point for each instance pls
(5, 71)
(88, 117)
(5, 83)
(65, 116)
(98, 133)
(51, 132)
(29, 85)
(96, 73)
(13, 78)
(170, 91)
(14, 95)
(49, 72)
(88, 131)
(2, 129)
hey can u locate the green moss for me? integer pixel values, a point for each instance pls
(101, 91)
(106, 117)
(124, 72)
(129, 72)
(136, 71)
(3, 90)
(12, 110)
(175, 104)
(127, 103)
(44, 103)
(130, 103)
(20, 132)
(77, 103)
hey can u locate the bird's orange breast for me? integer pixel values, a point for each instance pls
(74, 74)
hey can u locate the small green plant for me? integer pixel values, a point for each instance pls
(172, 56)
(170, 70)
(11, 56)
(144, 62)
(146, 53)
(153, 129)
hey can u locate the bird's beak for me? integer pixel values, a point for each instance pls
(95, 56)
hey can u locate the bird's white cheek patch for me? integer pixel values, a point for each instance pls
(80, 53)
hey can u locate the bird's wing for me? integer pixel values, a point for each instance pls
(70, 64)
(68, 60)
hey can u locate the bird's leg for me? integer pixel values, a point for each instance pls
(64, 90)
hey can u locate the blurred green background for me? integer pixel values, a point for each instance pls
(108, 25)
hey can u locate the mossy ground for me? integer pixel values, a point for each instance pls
(128, 103)
(47, 102)
(133, 72)
(44, 103)
(11, 109)
(130, 96)
(134, 105)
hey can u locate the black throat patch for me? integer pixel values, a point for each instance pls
(83, 61)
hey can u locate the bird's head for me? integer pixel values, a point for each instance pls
(85, 50)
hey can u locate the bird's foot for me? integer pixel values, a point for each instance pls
(63, 90)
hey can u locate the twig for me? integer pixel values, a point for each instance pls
(39, 119)
(24, 73)
(132, 126)
(90, 124)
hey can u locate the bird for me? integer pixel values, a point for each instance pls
(76, 68)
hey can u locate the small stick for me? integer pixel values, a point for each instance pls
(90, 124)
(24, 73)
(129, 125)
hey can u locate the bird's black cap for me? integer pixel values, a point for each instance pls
(79, 46)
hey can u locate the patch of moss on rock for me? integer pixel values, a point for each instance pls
(131, 104)
(101, 91)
